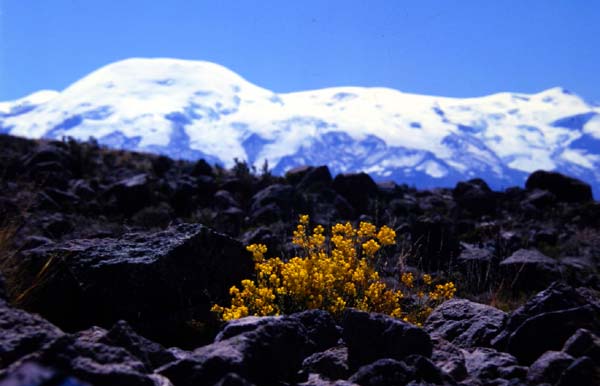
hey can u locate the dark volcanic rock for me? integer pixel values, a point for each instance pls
(271, 352)
(31, 373)
(465, 323)
(357, 189)
(565, 188)
(475, 196)
(158, 282)
(383, 372)
(529, 269)
(131, 194)
(549, 367)
(488, 364)
(320, 328)
(448, 358)
(545, 322)
(435, 242)
(582, 372)
(97, 363)
(332, 363)
(152, 354)
(373, 336)
(319, 325)
(583, 343)
(22, 333)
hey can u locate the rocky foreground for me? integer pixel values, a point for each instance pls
(112, 260)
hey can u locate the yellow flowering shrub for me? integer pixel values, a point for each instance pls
(335, 272)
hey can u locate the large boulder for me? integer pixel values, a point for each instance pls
(564, 188)
(96, 363)
(159, 282)
(357, 188)
(152, 354)
(22, 333)
(330, 364)
(529, 269)
(486, 364)
(475, 196)
(465, 323)
(383, 372)
(583, 343)
(435, 241)
(271, 351)
(448, 358)
(546, 321)
(549, 367)
(130, 194)
(371, 336)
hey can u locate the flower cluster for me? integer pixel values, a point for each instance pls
(335, 272)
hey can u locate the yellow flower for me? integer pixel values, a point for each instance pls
(331, 276)
(370, 247)
(427, 279)
(386, 235)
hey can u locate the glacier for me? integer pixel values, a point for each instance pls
(196, 109)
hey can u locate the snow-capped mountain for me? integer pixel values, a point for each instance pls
(192, 109)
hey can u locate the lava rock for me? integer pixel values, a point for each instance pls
(488, 364)
(476, 263)
(465, 323)
(97, 363)
(152, 354)
(357, 188)
(371, 336)
(383, 372)
(545, 322)
(581, 372)
(278, 194)
(549, 367)
(320, 328)
(331, 364)
(583, 343)
(131, 194)
(530, 270)
(32, 373)
(158, 281)
(22, 333)
(475, 196)
(448, 358)
(565, 188)
(272, 351)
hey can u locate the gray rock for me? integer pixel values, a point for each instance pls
(330, 364)
(529, 269)
(31, 373)
(383, 372)
(449, 358)
(272, 351)
(158, 281)
(549, 331)
(488, 364)
(371, 336)
(549, 367)
(22, 333)
(96, 363)
(152, 354)
(465, 323)
(583, 343)
(565, 188)
(581, 372)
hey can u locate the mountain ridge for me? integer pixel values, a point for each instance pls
(192, 109)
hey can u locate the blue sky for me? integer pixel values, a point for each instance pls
(444, 47)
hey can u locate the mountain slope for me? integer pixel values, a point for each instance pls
(189, 109)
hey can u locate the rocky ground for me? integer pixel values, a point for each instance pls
(111, 261)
